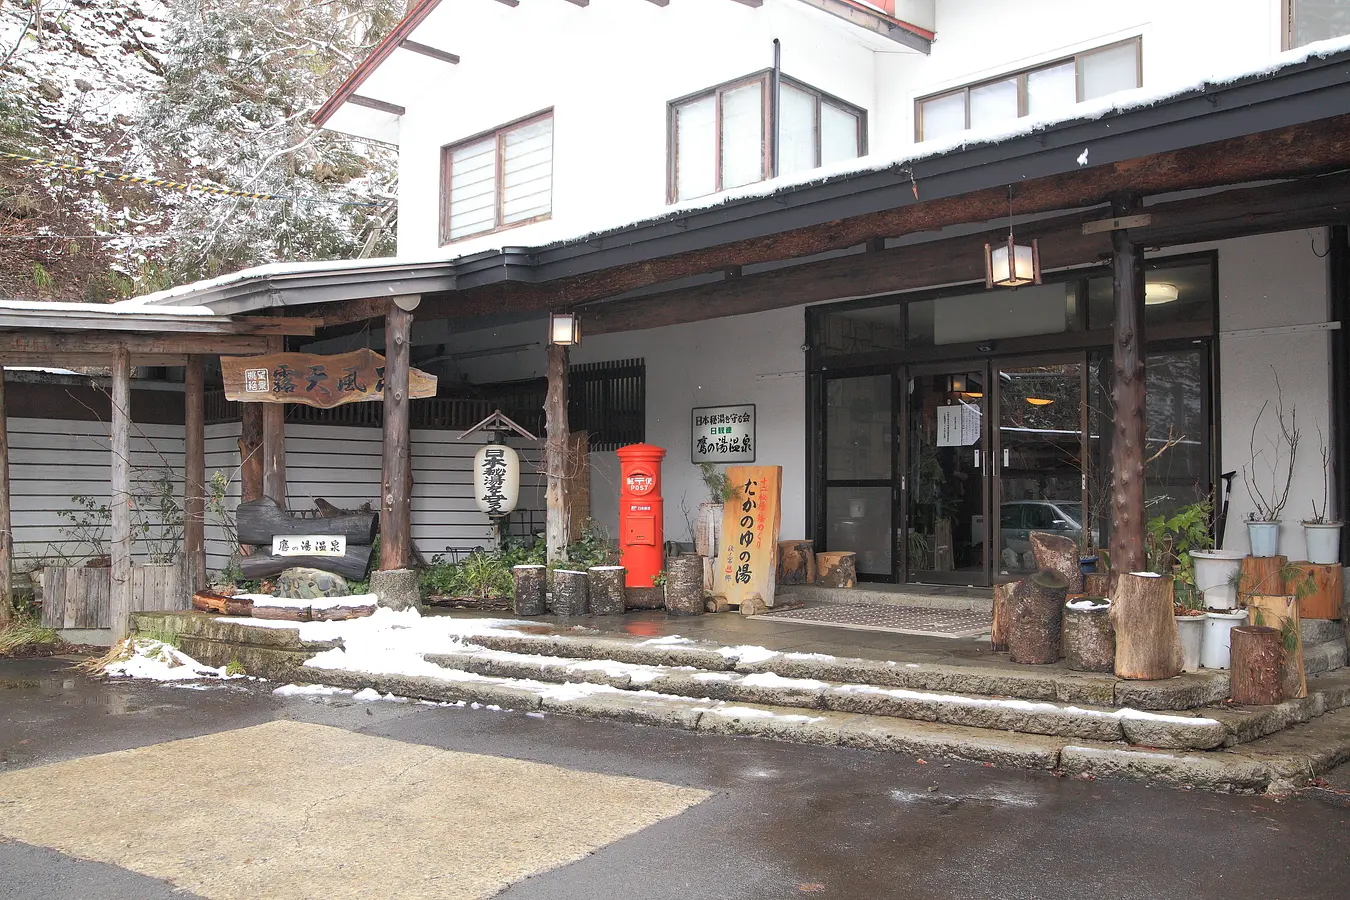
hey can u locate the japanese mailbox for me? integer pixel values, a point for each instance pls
(640, 513)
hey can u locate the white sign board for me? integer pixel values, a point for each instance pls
(309, 545)
(723, 434)
(958, 426)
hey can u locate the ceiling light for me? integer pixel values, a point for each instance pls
(1158, 292)
(1039, 401)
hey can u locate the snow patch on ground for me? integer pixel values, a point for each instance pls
(770, 680)
(824, 657)
(1027, 706)
(668, 640)
(748, 653)
(316, 603)
(309, 690)
(747, 712)
(158, 661)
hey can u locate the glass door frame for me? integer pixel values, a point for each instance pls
(906, 374)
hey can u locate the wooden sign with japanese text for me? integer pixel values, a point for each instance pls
(314, 379)
(750, 523)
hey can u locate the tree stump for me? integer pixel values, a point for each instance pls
(1059, 554)
(998, 632)
(1261, 575)
(1281, 612)
(1324, 600)
(644, 598)
(1148, 647)
(606, 590)
(570, 593)
(1258, 657)
(754, 605)
(1089, 643)
(796, 562)
(1097, 584)
(837, 569)
(530, 597)
(716, 603)
(684, 586)
(1037, 607)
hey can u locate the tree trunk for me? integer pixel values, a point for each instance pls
(396, 509)
(837, 569)
(556, 536)
(1089, 643)
(684, 586)
(998, 632)
(1037, 605)
(274, 441)
(260, 520)
(1148, 647)
(607, 589)
(796, 562)
(1324, 600)
(250, 452)
(1281, 612)
(194, 472)
(530, 597)
(119, 603)
(570, 593)
(1059, 554)
(1097, 584)
(6, 524)
(1128, 394)
(1257, 658)
(1261, 575)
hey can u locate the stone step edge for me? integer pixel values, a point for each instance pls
(1185, 692)
(1219, 770)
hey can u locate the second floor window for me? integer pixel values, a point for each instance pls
(1307, 21)
(720, 139)
(497, 180)
(1044, 90)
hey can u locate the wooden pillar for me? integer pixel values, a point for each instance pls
(396, 505)
(274, 440)
(251, 452)
(194, 473)
(6, 529)
(120, 440)
(1129, 427)
(556, 534)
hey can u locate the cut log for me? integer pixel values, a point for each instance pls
(1089, 642)
(754, 605)
(1037, 605)
(998, 632)
(570, 595)
(238, 606)
(1059, 554)
(709, 574)
(684, 586)
(1281, 612)
(717, 604)
(342, 613)
(354, 564)
(1261, 575)
(607, 588)
(209, 601)
(259, 521)
(644, 598)
(1258, 657)
(1324, 600)
(1148, 647)
(530, 596)
(283, 613)
(837, 569)
(796, 562)
(1097, 584)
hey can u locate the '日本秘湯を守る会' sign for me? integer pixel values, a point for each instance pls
(723, 434)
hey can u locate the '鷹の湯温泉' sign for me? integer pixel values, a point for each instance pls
(750, 523)
(724, 434)
(309, 545)
(314, 379)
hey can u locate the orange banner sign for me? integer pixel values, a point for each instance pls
(314, 379)
(750, 525)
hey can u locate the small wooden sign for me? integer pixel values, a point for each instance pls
(314, 379)
(309, 545)
(750, 526)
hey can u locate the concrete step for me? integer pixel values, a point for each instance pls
(1321, 631)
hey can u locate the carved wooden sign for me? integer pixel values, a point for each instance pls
(750, 523)
(314, 379)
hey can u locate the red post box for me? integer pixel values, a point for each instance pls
(641, 514)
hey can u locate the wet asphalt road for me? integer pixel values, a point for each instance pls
(784, 821)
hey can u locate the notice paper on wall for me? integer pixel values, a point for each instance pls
(958, 426)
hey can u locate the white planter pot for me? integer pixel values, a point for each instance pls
(1324, 543)
(1214, 648)
(708, 529)
(1192, 632)
(1214, 571)
(1265, 538)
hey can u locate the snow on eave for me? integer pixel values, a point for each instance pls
(133, 307)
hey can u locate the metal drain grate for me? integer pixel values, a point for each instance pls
(899, 619)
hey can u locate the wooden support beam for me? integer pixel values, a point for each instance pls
(378, 105)
(1128, 395)
(194, 473)
(556, 432)
(396, 503)
(251, 452)
(6, 527)
(297, 326)
(442, 55)
(274, 442)
(120, 512)
(84, 344)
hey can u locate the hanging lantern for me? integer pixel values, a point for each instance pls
(564, 329)
(1012, 264)
(496, 479)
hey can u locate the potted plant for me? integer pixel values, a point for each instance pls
(1190, 618)
(1263, 523)
(1323, 535)
(708, 527)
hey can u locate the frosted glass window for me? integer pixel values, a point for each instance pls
(1318, 20)
(796, 131)
(497, 180)
(696, 148)
(527, 172)
(942, 116)
(993, 104)
(1110, 71)
(840, 134)
(743, 136)
(473, 191)
(1052, 90)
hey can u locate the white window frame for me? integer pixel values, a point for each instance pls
(499, 133)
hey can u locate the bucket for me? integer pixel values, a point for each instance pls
(1191, 629)
(1214, 648)
(1214, 571)
(1324, 542)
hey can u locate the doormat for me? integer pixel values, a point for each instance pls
(948, 623)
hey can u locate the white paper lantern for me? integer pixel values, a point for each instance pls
(496, 479)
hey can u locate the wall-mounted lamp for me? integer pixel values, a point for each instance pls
(564, 329)
(956, 384)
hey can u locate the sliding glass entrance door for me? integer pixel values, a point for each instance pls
(859, 485)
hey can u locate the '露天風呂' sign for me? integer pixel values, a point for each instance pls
(314, 379)
(723, 434)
